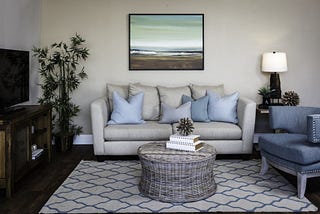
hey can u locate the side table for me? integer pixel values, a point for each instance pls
(176, 176)
(262, 126)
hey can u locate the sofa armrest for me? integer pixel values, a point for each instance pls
(99, 118)
(246, 116)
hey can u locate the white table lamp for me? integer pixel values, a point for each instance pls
(274, 62)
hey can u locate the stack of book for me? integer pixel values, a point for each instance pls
(186, 143)
(36, 153)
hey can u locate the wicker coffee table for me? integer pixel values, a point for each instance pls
(176, 176)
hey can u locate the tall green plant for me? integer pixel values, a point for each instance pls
(60, 76)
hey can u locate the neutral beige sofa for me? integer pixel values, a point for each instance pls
(227, 138)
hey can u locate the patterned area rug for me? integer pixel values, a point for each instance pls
(112, 186)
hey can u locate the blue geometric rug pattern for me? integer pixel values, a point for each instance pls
(112, 186)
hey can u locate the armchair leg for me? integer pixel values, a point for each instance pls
(264, 166)
(301, 184)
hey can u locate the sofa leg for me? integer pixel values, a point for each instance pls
(246, 157)
(264, 165)
(301, 184)
(100, 158)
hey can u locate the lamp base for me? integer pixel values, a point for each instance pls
(275, 85)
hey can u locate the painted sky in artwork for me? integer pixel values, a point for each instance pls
(166, 32)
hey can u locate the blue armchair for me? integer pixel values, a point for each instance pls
(296, 152)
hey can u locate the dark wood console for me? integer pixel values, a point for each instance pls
(19, 130)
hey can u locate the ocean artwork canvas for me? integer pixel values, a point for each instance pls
(166, 42)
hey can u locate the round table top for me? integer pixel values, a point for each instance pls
(157, 151)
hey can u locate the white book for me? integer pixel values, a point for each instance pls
(187, 139)
(186, 143)
(36, 153)
(193, 148)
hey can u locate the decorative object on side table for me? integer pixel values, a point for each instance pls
(274, 62)
(61, 76)
(266, 93)
(290, 98)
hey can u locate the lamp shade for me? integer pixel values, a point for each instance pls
(274, 62)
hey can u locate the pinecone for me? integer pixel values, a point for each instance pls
(185, 126)
(290, 98)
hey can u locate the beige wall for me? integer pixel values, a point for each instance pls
(237, 32)
(20, 29)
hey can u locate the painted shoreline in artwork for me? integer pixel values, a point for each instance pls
(150, 62)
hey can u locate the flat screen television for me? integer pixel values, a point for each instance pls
(14, 77)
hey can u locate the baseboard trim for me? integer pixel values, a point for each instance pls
(83, 139)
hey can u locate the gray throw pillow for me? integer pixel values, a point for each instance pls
(151, 102)
(123, 91)
(201, 90)
(173, 115)
(172, 95)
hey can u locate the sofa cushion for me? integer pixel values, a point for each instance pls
(199, 108)
(215, 130)
(126, 112)
(173, 115)
(291, 147)
(150, 130)
(223, 109)
(172, 96)
(151, 102)
(198, 91)
(123, 91)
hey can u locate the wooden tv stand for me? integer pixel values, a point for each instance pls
(18, 131)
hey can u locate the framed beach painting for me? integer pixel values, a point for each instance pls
(166, 42)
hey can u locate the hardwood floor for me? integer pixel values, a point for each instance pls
(33, 190)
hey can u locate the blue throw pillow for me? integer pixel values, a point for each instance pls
(126, 112)
(223, 108)
(173, 115)
(199, 108)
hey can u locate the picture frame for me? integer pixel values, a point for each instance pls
(166, 41)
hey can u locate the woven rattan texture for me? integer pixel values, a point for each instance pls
(176, 176)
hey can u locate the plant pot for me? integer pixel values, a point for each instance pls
(64, 143)
(265, 103)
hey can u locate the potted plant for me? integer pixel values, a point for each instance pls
(266, 93)
(60, 76)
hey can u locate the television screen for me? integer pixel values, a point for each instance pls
(14, 77)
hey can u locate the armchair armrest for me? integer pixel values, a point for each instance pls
(99, 118)
(313, 128)
(246, 115)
